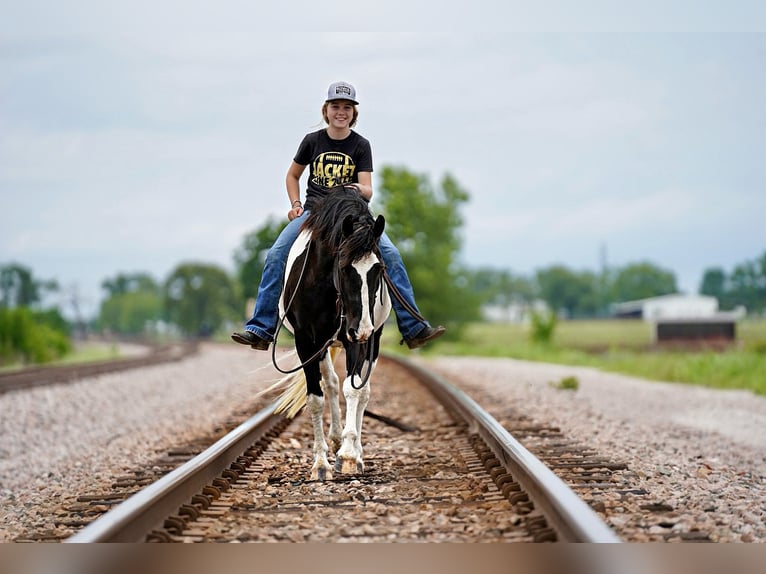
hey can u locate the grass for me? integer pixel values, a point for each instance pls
(622, 347)
(90, 354)
(616, 346)
(85, 353)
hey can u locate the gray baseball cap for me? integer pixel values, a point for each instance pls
(341, 91)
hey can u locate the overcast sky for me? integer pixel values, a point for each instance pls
(135, 136)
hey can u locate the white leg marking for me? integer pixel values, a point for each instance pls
(330, 384)
(361, 407)
(349, 459)
(321, 470)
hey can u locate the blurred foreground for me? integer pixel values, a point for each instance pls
(383, 559)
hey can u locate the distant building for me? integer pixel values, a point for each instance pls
(684, 319)
(675, 306)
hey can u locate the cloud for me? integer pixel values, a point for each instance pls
(127, 142)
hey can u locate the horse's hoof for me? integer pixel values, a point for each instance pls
(350, 466)
(321, 474)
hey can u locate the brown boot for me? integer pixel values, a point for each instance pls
(250, 338)
(426, 334)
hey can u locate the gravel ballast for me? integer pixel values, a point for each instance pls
(67, 439)
(701, 451)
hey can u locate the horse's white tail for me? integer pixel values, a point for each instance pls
(293, 398)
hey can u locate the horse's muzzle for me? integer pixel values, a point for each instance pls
(359, 336)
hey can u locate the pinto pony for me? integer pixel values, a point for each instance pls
(334, 291)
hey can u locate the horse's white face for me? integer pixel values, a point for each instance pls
(362, 291)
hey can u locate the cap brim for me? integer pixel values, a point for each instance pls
(343, 99)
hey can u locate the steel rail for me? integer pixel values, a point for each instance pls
(571, 518)
(43, 375)
(133, 519)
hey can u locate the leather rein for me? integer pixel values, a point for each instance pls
(324, 347)
(341, 317)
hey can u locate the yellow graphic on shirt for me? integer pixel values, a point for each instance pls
(332, 168)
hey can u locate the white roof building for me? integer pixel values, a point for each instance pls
(674, 306)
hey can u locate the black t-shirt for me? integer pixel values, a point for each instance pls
(332, 162)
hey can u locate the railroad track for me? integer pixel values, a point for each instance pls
(457, 476)
(55, 374)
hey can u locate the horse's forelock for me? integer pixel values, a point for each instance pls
(358, 244)
(326, 224)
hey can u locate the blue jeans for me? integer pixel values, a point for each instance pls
(266, 315)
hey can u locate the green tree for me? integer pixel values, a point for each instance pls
(130, 283)
(133, 301)
(747, 285)
(53, 318)
(713, 283)
(130, 313)
(19, 288)
(250, 257)
(27, 332)
(574, 294)
(642, 280)
(501, 288)
(424, 223)
(31, 337)
(199, 298)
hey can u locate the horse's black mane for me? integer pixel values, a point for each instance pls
(326, 224)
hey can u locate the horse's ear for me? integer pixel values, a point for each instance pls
(348, 226)
(380, 225)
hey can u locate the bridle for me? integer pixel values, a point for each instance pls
(341, 318)
(370, 342)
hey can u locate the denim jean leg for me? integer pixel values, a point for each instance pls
(266, 314)
(408, 325)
